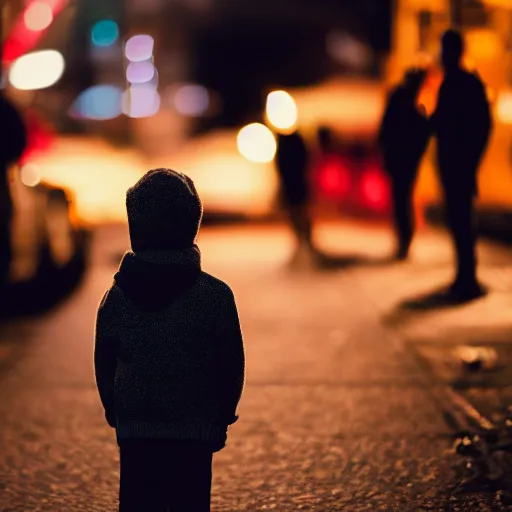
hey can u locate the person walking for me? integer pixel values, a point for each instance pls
(462, 124)
(292, 162)
(403, 138)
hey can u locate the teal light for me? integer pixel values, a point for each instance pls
(105, 33)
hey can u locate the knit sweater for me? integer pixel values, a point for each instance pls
(169, 355)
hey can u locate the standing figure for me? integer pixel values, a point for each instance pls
(403, 138)
(169, 354)
(462, 124)
(292, 161)
(14, 142)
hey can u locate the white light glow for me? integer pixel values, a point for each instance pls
(37, 70)
(281, 110)
(30, 176)
(256, 143)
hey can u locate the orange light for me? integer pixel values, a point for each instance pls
(482, 44)
(504, 107)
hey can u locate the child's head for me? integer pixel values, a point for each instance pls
(164, 211)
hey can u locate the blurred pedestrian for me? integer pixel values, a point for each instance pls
(169, 355)
(292, 161)
(462, 123)
(403, 138)
(12, 146)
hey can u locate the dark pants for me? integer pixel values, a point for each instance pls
(460, 217)
(402, 189)
(165, 476)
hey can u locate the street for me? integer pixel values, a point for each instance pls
(338, 412)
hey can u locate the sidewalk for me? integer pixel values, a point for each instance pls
(337, 413)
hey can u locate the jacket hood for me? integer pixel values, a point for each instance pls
(153, 280)
(164, 212)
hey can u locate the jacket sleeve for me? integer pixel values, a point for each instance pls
(232, 360)
(105, 360)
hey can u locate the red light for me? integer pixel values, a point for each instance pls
(39, 135)
(333, 177)
(375, 190)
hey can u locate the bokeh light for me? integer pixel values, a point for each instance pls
(192, 100)
(140, 72)
(30, 176)
(334, 179)
(37, 70)
(281, 111)
(38, 16)
(100, 102)
(483, 44)
(141, 101)
(139, 48)
(347, 50)
(375, 190)
(256, 143)
(105, 33)
(504, 107)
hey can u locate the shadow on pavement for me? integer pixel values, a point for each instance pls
(336, 262)
(434, 300)
(439, 298)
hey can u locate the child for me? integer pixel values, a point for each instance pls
(169, 355)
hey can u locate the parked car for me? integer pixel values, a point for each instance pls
(49, 245)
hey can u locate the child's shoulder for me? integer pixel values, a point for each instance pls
(109, 299)
(214, 282)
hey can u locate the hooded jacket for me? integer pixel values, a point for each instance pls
(169, 354)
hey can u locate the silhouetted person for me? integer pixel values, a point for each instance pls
(292, 162)
(462, 123)
(12, 145)
(403, 137)
(169, 355)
